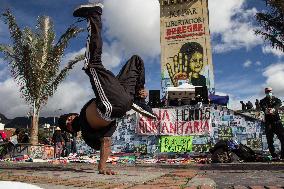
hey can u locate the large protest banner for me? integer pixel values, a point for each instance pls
(181, 121)
(185, 43)
(176, 143)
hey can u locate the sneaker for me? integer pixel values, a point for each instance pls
(88, 9)
(141, 107)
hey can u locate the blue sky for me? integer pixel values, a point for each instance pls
(243, 63)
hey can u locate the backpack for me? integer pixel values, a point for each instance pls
(223, 152)
(245, 153)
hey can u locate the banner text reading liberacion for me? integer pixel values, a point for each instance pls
(185, 31)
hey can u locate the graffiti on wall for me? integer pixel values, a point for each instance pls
(125, 138)
(37, 152)
(225, 133)
(42, 152)
(178, 121)
(185, 44)
(83, 148)
(48, 152)
(176, 143)
(138, 134)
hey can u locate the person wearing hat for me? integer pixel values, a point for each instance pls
(58, 142)
(270, 105)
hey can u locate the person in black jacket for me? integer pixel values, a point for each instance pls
(257, 105)
(270, 105)
(243, 106)
(67, 143)
(249, 105)
(58, 142)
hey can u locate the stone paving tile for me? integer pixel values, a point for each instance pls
(172, 180)
(187, 174)
(240, 187)
(155, 187)
(82, 176)
(273, 187)
(206, 187)
(166, 181)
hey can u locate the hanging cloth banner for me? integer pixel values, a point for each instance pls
(181, 121)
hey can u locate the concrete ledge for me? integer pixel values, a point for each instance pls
(201, 182)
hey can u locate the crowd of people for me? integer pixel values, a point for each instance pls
(64, 143)
(249, 106)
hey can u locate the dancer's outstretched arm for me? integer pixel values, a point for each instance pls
(104, 154)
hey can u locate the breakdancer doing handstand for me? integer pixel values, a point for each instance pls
(114, 95)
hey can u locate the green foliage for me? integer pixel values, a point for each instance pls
(35, 58)
(272, 23)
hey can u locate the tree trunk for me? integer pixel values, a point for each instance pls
(34, 130)
(34, 127)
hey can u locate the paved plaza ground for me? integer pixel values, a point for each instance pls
(83, 175)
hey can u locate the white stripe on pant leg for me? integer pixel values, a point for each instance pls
(101, 93)
(98, 88)
(87, 52)
(95, 77)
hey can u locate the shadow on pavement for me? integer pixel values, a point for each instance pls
(46, 168)
(243, 166)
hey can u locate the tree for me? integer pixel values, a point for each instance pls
(34, 60)
(272, 23)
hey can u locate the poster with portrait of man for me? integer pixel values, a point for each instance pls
(185, 43)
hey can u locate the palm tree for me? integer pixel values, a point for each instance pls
(34, 60)
(272, 23)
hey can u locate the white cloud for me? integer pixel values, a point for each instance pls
(137, 30)
(269, 50)
(70, 97)
(135, 25)
(258, 63)
(11, 104)
(245, 89)
(220, 20)
(4, 74)
(111, 56)
(4, 71)
(274, 78)
(232, 25)
(235, 104)
(247, 64)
